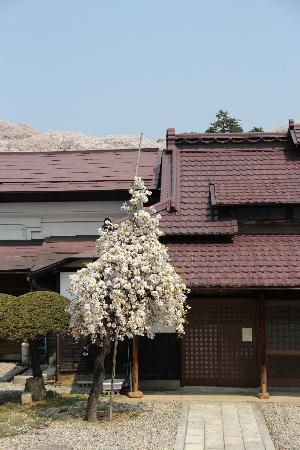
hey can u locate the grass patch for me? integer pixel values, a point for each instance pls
(14, 419)
(18, 419)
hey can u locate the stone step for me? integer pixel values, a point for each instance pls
(48, 375)
(118, 384)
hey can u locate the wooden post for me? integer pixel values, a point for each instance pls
(57, 357)
(135, 387)
(135, 363)
(264, 394)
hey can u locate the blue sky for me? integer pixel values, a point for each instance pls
(121, 67)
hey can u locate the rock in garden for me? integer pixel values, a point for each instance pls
(26, 398)
(36, 387)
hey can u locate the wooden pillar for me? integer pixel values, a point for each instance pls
(135, 364)
(135, 393)
(58, 350)
(264, 394)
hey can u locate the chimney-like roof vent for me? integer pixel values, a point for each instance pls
(294, 130)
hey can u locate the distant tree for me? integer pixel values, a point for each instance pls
(31, 317)
(257, 129)
(224, 124)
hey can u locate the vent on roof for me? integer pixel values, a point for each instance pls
(294, 130)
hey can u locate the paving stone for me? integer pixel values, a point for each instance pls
(235, 447)
(249, 425)
(195, 423)
(254, 445)
(194, 439)
(234, 441)
(225, 426)
(196, 431)
(193, 447)
(214, 435)
(263, 428)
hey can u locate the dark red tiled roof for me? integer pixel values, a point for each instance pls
(261, 192)
(193, 214)
(55, 250)
(229, 138)
(77, 170)
(26, 256)
(241, 173)
(248, 261)
(17, 256)
(243, 261)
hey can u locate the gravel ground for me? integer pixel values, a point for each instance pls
(9, 370)
(136, 425)
(283, 422)
(6, 367)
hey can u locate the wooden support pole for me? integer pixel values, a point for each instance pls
(58, 348)
(264, 394)
(135, 363)
(135, 386)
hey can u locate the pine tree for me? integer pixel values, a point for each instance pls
(224, 124)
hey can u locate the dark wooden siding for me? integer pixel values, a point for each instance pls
(78, 357)
(14, 284)
(10, 350)
(283, 342)
(214, 351)
(159, 358)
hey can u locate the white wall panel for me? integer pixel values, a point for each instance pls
(38, 220)
(65, 284)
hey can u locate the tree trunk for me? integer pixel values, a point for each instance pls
(35, 360)
(97, 386)
(113, 377)
(35, 385)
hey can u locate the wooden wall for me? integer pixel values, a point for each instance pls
(159, 357)
(10, 350)
(283, 342)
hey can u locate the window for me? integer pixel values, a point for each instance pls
(259, 213)
(296, 212)
(278, 212)
(262, 213)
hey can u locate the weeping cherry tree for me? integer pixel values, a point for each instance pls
(128, 290)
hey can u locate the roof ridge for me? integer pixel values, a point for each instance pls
(223, 138)
(93, 150)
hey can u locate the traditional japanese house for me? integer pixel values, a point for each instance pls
(51, 206)
(230, 208)
(231, 213)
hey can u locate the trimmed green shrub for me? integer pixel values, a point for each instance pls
(41, 313)
(31, 317)
(9, 313)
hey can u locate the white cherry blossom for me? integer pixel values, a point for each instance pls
(132, 286)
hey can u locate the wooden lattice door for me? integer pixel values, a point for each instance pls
(220, 344)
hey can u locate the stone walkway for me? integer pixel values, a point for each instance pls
(222, 426)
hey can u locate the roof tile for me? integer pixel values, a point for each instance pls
(261, 192)
(26, 256)
(246, 261)
(240, 175)
(77, 170)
